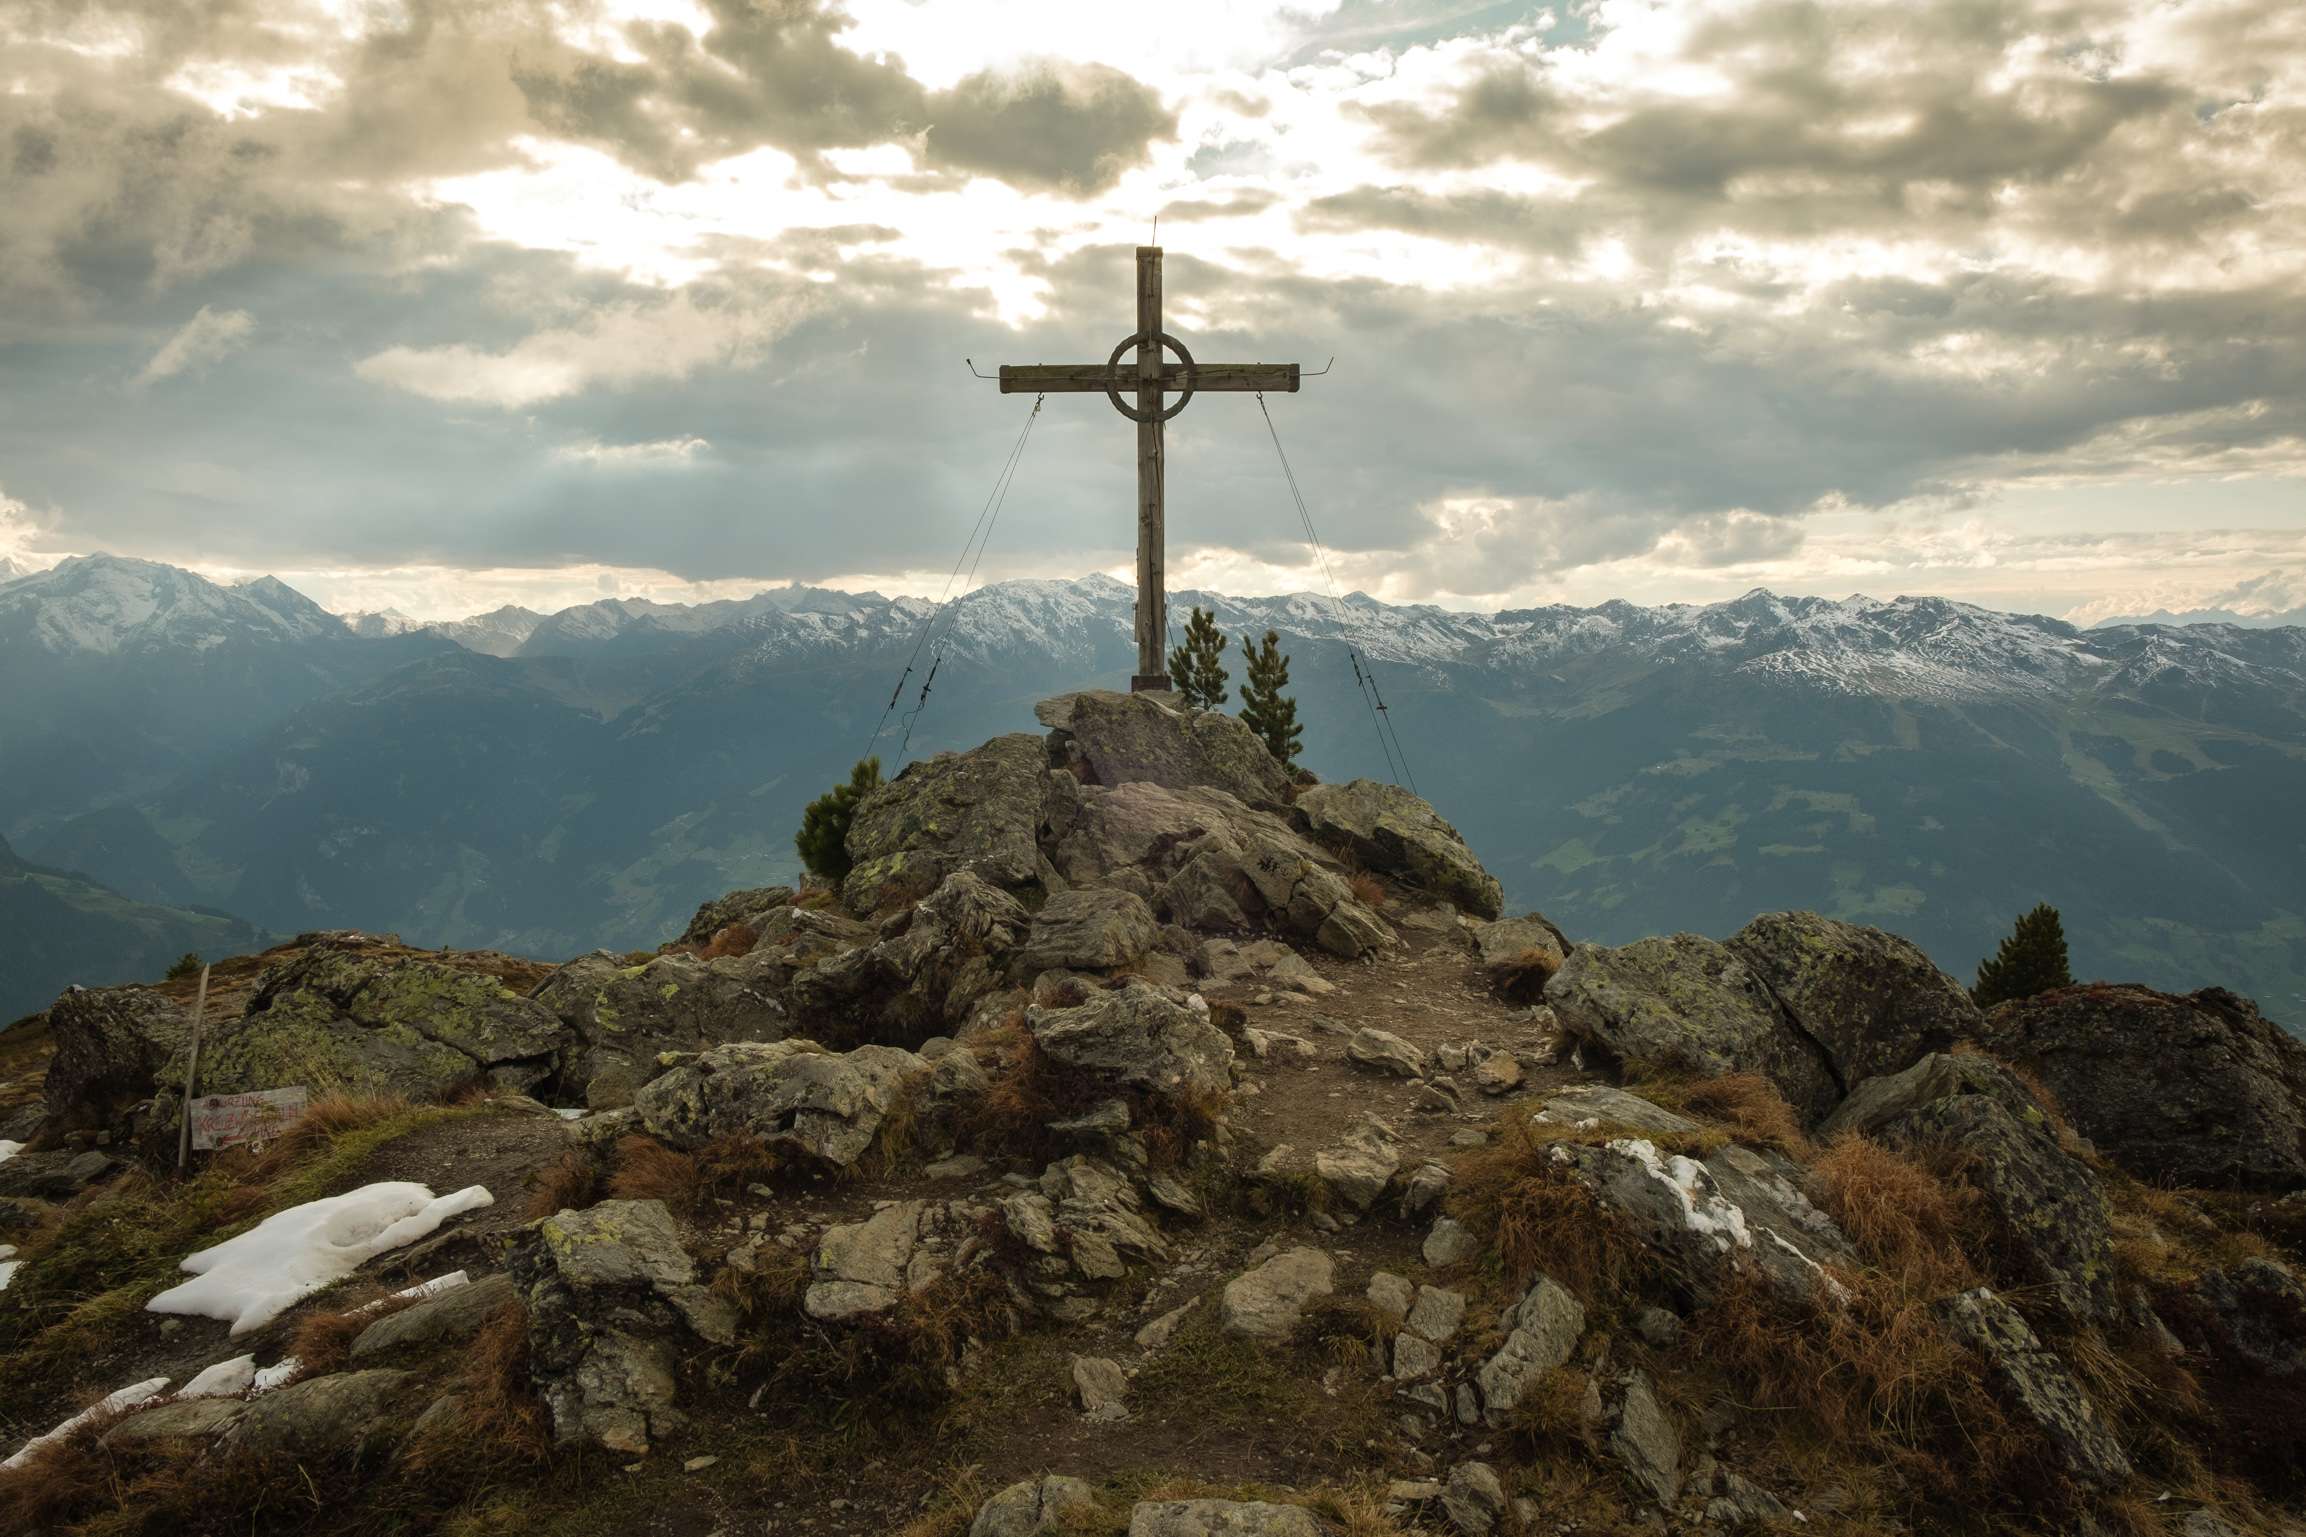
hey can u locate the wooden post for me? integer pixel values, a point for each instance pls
(1152, 596)
(191, 1077)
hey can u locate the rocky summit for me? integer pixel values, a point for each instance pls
(1139, 1141)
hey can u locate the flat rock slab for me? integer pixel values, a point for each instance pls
(456, 1314)
(1267, 1302)
(1221, 1518)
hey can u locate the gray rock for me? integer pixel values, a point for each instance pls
(978, 811)
(1081, 1226)
(1544, 1328)
(1392, 831)
(1474, 1499)
(2248, 1318)
(1423, 1190)
(1684, 1004)
(1163, 1329)
(1437, 1315)
(343, 1412)
(1391, 1294)
(456, 1314)
(1358, 1171)
(1509, 939)
(1872, 1000)
(192, 1419)
(1221, 1518)
(2198, 1090)
(1260, 963)
(866, 1267)
(1102, 1388)
(54, 1176)
(110, 1044)
(1034, 1507)
(1659, 1328)
(1267, 1302)
(1499, 1073)
(923, 974)
(1614, 1108)
(1415, 1357)
(1089, 928)
(1146, 738)
(1449, 1243)
(1136, 1036)
(1642, 1438)
(622, 1017)
(750, 907)
(611, 1296)
(2037, 1384)
(2055, 1227)
(793, 1094)
(1384, 1052)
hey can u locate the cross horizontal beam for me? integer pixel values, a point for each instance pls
(1092, 378)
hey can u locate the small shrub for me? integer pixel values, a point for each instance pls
(733, 940)
(186, 965)
(1367, 889)
(823, 841)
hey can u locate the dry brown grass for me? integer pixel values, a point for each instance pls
(498, 1420)
(574, 1181)
(733, 939)
(1368, 890)
(323, 1341)
(1904, 1220)
(52, 1485)
(644, 1169)
(1027, 1091)
(1536, 1217)
(1746, 1105)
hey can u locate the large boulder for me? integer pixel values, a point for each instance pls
(750, 907)
(620, 1018)
(1137, 1037)
(111, 1042)
(2195, 1090)
(1871, 1000)
(1149, 738)
(343, 1017)
(1203, 859)
(1389, 830)
(612, 1300)
(1972, 1115)
(793, 1095)
(1685, 1004)
(924, 974)
(978, 810)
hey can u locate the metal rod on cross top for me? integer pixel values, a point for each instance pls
(1149, 378)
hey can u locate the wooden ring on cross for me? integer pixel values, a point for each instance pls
(1114, 386)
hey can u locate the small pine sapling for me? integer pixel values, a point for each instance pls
(1195, 666)
(186, 965)
(2032, 960)
(823, 841)
(1265, 708)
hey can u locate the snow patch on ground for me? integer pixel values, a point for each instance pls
(1703, 1208)
(253, 1279)
(126, 1398)
(9, 1149)
(226, 1379)
(9, 1265)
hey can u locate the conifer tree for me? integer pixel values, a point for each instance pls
(823, 840)
(1194, 665)
(1265, 709)
(2032, 960)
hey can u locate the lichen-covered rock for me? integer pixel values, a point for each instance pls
(611, 1297)
(749, 907)
(320, 1415)
(1089, 928)
(2196, 1090)
(1601, 1105)
(1684, 1004)
(924, 973)
(1733, 1210)
(1381, 1051)
(1080, 1228)
(1207, 861)
(2038, 1385)
(794, 1095)
(1358, 1169)
(1542, 1332)
(866, 1267)
(456, 1314)
(1394, 832)
(2249, 1318)
(1035, 1507)
(343, 1017)
(1266, 1303)
(2055, 1228)
(1871, 1000)
(110, 1044)
(978, 810)
(1508, 939)
(621, 1018)
(1136, 1036)
(1221, 1518)
(1642, 1437)
(1148, 738)
(1264, 963)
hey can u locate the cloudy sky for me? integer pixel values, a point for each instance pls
(441, 305)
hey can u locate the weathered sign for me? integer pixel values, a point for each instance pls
(227, 1120)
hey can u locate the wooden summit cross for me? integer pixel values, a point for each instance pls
(1149, 377)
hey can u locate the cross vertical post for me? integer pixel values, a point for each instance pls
(1152, 595)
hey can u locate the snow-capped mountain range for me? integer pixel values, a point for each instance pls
(547, 783)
